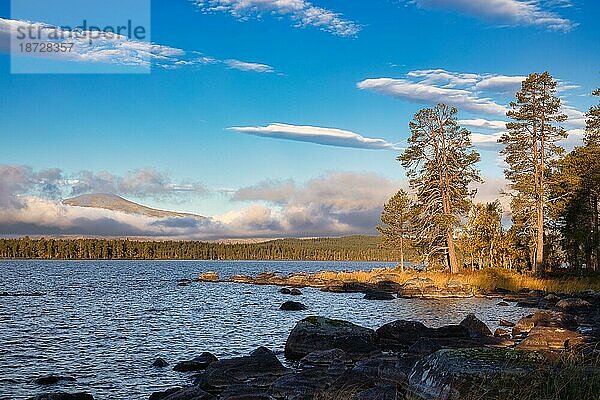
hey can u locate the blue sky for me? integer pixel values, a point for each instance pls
(359, 68)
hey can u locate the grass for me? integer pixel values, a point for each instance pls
(483, 280)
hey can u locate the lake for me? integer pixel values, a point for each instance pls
(104, 322)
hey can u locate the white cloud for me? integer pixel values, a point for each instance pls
(318, 135)
(483, 123)
(110, 48)
(301, 12)
(427, 93)
(248, 66)
(501, 84)
(542, 13)
(486, 142)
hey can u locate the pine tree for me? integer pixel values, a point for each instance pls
(396, 218)
(592, 128)
(530, 145)
(440, 162)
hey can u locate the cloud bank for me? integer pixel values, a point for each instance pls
(317, 135)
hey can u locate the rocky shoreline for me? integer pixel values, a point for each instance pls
(335, 359)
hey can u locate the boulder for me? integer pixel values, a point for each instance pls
(160, 363)
(503, 304)
(387, 367)
(261, 363)
(506, 323)
(475, 326)
(186, 393)
(550, 338)
(292, 306)
(209, 276)
(302, 385)
(295, 292)
(320, 333)
(196, 364)
(285, 291)
(378, 295)
(53, 379)
(401, 334)
(545, 318)
(424, 346)
(325, 358)
(62, 396)
(573, 303)
(453, 373)
(502, 333)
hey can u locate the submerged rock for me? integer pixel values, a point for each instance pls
(160, 363)
(292, 306)
(53, 379)
(197, 363)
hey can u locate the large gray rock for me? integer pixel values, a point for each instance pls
(261, 363)
(475, 327)
(320, 333)
(450, 374)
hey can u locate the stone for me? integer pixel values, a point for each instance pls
(545, 318)
(550, 338)
(475, 326)
(160, 363)
(503, 304)
(292, 306)
(506, 323)
(302, 385)
(285, 291)
(501, 333)
(196, 364)
(320, 333)
(261, 363)
(573, 303)
(378, 295)
(186, 393)
(424, 346)
(387, 367)
(325, 358)
(209, 276)
(417, 287)
(401, 334)
(453, 373)
(53, 379)
(295, 292)
(62, 396)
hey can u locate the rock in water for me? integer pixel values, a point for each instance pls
(320, 333)
(186, 393)
(196, 364)
(209, 276)
(262, 364)
(292, 306)
(475, 327)
(160, 363)
(378, 295)
(295, 292)
(62, 396)
(454, 373)
(53, 379)
(285, 291)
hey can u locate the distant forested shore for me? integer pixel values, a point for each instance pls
(351, 248)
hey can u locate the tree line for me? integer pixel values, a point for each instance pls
(554, 197)
(353, 248)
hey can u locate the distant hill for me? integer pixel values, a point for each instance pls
(117, 203)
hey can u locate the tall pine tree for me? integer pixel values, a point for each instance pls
(441, 162)
(530, 144)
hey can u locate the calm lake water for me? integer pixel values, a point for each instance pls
(104, 323)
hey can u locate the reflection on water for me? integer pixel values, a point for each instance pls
(105, 322)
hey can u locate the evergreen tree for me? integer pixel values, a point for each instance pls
(592, 128)
(396, 218)
(441, 162)
(483, 233)
(530, 145)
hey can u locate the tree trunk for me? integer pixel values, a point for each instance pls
(401, 253)
(452, 261)
(539, 245)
